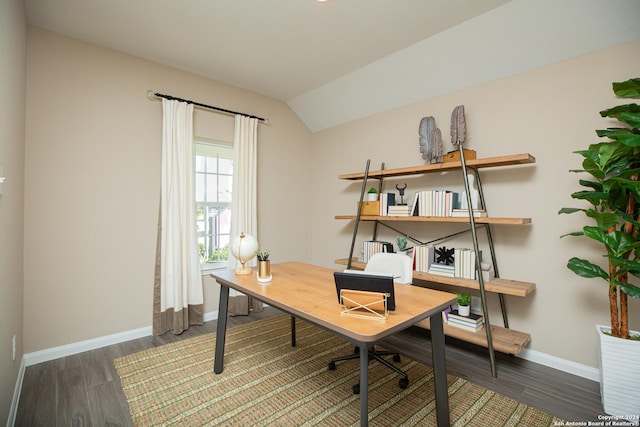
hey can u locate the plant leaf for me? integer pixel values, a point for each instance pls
(628, 88)
(584, 268)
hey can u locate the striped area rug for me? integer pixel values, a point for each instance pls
(267, 382)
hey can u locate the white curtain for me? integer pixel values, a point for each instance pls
(244, 216)
(178, 296)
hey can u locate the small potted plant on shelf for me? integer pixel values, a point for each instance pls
(464, 303)
(372, 195)
(613, 193)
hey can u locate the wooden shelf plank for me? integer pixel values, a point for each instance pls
(505, 340)
(459, 220)
(487, 162)
(498, 285)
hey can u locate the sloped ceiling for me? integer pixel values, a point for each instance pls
(340, 60)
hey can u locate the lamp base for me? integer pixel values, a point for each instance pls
(243, 271)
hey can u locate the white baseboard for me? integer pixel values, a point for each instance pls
(81, 346)
(564, 365)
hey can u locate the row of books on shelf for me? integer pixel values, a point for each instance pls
(473, 322)
(372, 247)
(430, 259)
(443, 203)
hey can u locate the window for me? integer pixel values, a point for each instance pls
(214, 176)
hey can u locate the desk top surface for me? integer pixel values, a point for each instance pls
(309, 292)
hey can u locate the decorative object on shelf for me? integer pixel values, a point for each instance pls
(458, 126)
(264, 266)
(244, 248)
(444, 255)
(487, 272)
(614, 207)
(464, 303)
(454, 156)
(372, 195)
(427, 124)
(402, 243)
(436, 146)
(401, 191)
(430, 140)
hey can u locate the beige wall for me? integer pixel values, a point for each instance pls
(12, 105)
(549, 112)
(92, 184)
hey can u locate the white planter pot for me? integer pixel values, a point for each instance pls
(372, 197)
(463, 310)
(619, 374)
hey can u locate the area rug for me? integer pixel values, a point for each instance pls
(267, 382)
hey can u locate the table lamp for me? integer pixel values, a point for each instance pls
(244, 248)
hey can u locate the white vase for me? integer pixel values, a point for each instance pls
(619, 374)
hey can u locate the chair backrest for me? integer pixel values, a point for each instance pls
(400, 265)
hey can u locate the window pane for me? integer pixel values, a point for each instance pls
(212, 188)
(226, 166)
(212, 164)
(214, 169)
(225, 223)
(225, 183)
(200, 187)
(200, 163)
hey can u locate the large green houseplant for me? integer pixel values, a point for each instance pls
(614, 194)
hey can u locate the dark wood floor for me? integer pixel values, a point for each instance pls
(84, 389)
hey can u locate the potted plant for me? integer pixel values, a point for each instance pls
(372, 195)
(613, 191)
(464, 303)
(264, 265)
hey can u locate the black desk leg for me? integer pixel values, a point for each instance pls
(221, 332)
(439, 370)
(293, 331)
(364, 385)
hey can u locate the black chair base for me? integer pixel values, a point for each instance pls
(375, 355)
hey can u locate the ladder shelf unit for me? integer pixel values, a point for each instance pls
(491, 336)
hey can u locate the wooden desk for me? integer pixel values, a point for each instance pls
(308, 292)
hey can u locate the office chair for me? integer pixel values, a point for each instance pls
(400, 266)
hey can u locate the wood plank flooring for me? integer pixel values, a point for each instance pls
(84, 389)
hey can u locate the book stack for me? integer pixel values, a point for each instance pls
(465, 263)
(423, 256)
(473, 322)
(464, 213)
(372, 247)
(434, 203)
(442, 270)
(399, 210)
(387, 200)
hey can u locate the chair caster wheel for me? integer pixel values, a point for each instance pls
(403, 383)
(332, 366)
(396, 358)
(356, 389)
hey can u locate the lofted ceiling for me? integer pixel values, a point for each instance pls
(337, 60)
(279, 48)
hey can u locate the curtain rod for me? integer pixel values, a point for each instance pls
(152, 95)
